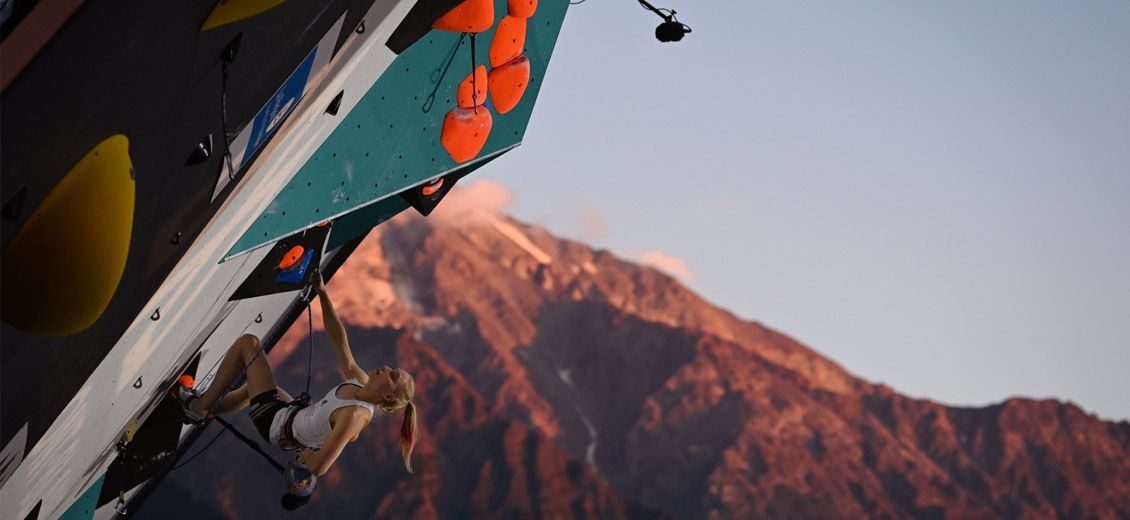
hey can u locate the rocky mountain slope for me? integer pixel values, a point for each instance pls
(556, 380)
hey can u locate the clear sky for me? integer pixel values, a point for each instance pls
(934, 194)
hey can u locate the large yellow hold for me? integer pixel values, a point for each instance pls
(230, 11)
(64, 265)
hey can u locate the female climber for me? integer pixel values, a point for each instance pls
(322, 429)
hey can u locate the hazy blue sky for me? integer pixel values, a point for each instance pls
(934, 194)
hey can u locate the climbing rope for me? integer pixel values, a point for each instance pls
(304, 397)
(250, 442)
(202, 450)
(439, 73)
(474, 86)
(310, 344)
(225, 63)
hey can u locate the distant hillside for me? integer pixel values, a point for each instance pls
(560, 381)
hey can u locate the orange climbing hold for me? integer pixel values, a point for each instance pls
(464, 95)
(509, 39)
(469, 16)
(522, 8)
(465, 131)
(291, 257)
(508, 83)
(431, 188)
(184, 380)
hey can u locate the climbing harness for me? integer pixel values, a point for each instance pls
(300, 402)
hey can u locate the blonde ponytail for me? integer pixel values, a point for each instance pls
(402, 398)
(408, 435)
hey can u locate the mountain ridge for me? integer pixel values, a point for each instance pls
(633, 396)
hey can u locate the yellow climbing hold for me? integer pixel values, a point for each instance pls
(65, 262)
(228, 11)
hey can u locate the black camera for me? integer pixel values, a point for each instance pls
(671, 31)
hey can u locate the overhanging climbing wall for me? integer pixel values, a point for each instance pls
(391, 140)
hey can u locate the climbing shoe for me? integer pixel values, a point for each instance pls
(184, 393)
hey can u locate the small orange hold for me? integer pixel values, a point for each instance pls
(479, 88)
(509, 39)
(430, 189)
(508, 83)
(465, 131)
(522, 8)
(291, 257)
(184, 380)
(469, 16)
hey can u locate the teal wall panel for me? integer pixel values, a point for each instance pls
(391, 140)
(84, 507)
(361, 220)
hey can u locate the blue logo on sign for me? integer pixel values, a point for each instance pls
(280, 104)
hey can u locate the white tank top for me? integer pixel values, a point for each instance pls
(312, 424)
